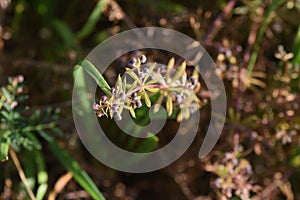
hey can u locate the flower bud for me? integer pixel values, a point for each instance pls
(114, 91)
(122, 95)
(132, 62)
(138, 103)
(114, 107)
(96, 106)
(143, 59)
(193, 81)
(104, 98)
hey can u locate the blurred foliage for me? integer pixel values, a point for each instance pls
(256, 46)
(20, 133)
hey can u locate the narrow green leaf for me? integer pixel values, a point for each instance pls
(30, 168)
(44, 135)
(46, 115)
(78, 173)
(180, 72)
(153, 90)
(92, 20)
(119, 81)
(6, 93)
(64, 32)
(156, 80)
(147, 99)
(132, 86)
(97, 76)
(169, 105)
(5, 115)
(296, 48)
(179, 116)
(149, 144)
(35, 116)
(266, 19)
(169, 68)
(133, 75)
(57, 131)
(151, 68)
(158, 103)
(4, 146)
(42, 175)
(132, 112)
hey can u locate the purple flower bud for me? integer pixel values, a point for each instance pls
(20, 78)
(193, 81)
(135, 98)
(131, 62)
(114, 107)
(104, 98)
(134, 94)
(179, 98)
(96, 106)
(13, 104)
(114, 91)
(122, 95)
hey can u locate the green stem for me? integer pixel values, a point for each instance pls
(261, 32)
(92, 20)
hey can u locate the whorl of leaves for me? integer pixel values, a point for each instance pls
(143, 80)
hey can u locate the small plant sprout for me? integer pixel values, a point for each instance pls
(142, 81)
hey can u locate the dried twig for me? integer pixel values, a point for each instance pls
(21, 173)
(60, 185)
(124, 16)
(218, 22)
